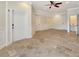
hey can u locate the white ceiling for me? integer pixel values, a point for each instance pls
(41, 6)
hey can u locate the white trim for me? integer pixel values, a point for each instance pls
(68, 26)
(6, 25)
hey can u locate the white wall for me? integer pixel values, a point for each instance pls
(2, 23)
(60, 21)
(41, 22)
(50, 21)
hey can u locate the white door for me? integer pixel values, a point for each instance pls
(19, 24)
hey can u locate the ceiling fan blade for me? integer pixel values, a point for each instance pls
(52, 2)
(57, 4)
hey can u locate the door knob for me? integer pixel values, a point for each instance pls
(12, 26)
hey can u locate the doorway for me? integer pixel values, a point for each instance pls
(73, 25)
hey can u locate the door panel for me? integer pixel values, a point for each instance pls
(19, 25)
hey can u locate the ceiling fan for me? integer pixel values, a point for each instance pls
(55, 4)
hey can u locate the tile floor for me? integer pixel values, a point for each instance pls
(47, 43)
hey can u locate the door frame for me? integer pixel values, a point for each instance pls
(8, 26)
